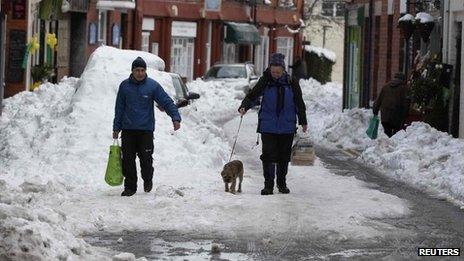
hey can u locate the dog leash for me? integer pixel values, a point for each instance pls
(236, 137)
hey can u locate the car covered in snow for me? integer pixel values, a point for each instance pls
(243, 75)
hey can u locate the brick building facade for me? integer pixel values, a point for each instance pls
(363, 78)
(190, 38)
(80, 26)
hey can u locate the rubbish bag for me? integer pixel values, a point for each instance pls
(373, 128)
(113, 175)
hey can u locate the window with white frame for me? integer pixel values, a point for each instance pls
(155, 48)
(145, 41)
(262, 55)
(285, 47)
(102, 25)
(333, 8)
(229, 53)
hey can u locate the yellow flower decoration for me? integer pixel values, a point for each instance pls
(51, 40)
(34, 44)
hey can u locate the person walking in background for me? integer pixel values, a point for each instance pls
(282, 103)
(134, 116)
(392, 104)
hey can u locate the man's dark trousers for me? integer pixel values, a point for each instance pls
(277, 149)
(140, 143)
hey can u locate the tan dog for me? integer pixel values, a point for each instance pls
(230, 173)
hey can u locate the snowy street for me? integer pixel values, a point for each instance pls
(330, 214)
(362, 199)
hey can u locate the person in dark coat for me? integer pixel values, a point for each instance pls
(134, 116)
(282, 103)
(393, 105)
(299, 69)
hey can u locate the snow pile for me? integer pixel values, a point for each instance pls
(422, 156)
(322, 52)
(33, 232)
(28, 120)
(327, 124)
(219, 99)
(55, 144)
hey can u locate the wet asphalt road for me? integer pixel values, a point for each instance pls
(432, 223)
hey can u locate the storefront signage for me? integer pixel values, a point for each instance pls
(19, 9)
(92, 33)
(184, 29)
(148, 24)
(116, 34)
(213, 5)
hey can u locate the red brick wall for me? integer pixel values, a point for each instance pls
(380, 61)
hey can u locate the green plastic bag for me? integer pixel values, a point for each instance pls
(113, 174)
(373, 129)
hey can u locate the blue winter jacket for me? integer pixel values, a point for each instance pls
(134, 108)
(278, 112)
(281, 104)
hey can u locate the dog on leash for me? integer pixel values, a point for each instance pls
(230, 173)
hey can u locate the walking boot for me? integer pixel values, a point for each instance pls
(282, 170)
(269, 172)
(147, 186)
(127, 193)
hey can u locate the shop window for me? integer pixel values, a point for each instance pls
(333, 8)
(262, 54)
(285, 47)
(145, 41)
(155, 48)
(229, 53)
(102, 25)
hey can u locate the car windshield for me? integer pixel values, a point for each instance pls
(176, 81)
(226, 72)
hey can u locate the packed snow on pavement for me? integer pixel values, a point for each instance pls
(55, 144)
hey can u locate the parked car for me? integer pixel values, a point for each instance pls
(233, 72)
(182, 97)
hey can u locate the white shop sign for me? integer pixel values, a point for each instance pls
(184, 29)
(148, 24)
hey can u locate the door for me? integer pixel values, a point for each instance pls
(354, 70)
(182, 56)
(77, 59)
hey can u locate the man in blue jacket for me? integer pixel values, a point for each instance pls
(134, 116)
(281, 104)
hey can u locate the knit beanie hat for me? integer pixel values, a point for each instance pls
(277, 59)
(139, 62)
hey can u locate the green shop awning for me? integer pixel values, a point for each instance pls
(241, 33)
